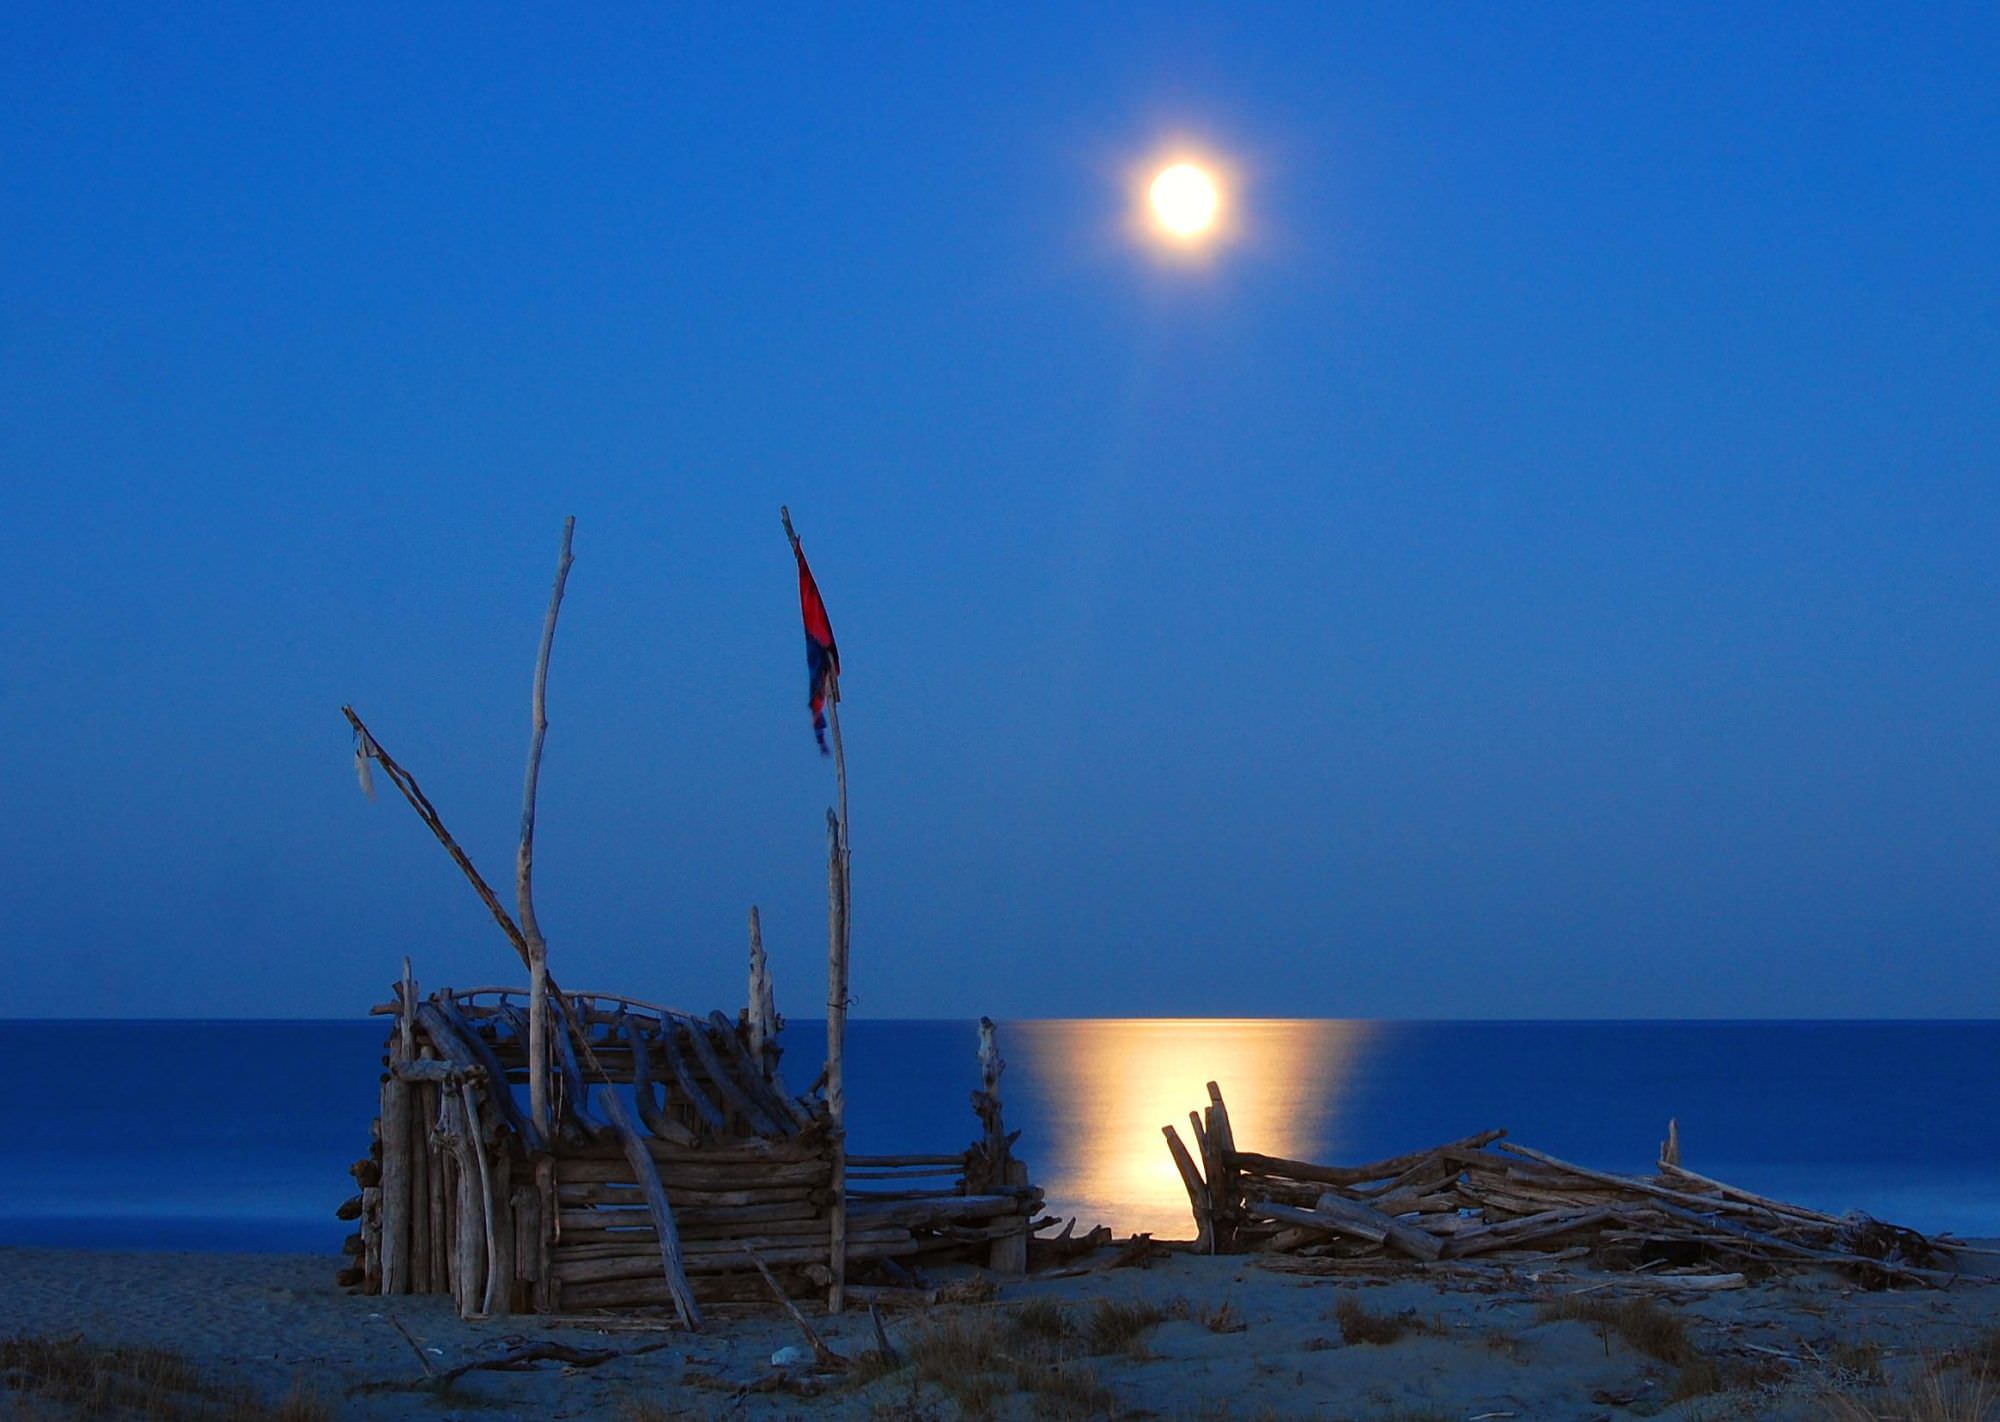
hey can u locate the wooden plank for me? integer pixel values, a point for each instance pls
(396, 1186)
(1336, 1215)
(1352, 1174)
(1198, 1196)
(691, 1091)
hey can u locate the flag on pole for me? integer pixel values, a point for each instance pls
(822, 656)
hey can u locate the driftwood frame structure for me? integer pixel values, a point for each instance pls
(725, 1186)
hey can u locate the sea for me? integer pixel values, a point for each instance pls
(237, 1136)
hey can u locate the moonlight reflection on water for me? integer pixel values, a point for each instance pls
(1105, 1088)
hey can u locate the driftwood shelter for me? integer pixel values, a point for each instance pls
(540, 1150)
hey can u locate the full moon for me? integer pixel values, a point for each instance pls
(1185, 202)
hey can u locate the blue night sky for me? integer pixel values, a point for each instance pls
(1542, 566)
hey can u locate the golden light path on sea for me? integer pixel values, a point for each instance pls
(1109, 1086)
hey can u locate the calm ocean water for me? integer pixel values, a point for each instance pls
(235, 1135)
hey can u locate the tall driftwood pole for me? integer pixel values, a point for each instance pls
(533, 950)
(524, 864)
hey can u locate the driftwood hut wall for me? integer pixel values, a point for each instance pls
(463, 1195)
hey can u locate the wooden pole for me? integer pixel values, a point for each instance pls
(836, 1036)
(524, 863)
(763, 1004)
(395, 1185)
(536, 959)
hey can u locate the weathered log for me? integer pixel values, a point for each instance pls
(396, 1186)
(602, 1247)
(583, 1228)
(680, 1174)
(691, 1091)
(651, 1112)
(1512, 1234)
(1010, 1245)
(545, 1197)
(429, 1069)
(689, 1218)
(1777, 1207)
(1224, 1196)
(371, 1238)
(525, 1210)
(1198, 1196)
(917, 1213)
(1251, 1161)
(762, 1012)
(644, 1268)
(711, 1198)
(468, 1258)
(1337, 1215)
(443, 1188)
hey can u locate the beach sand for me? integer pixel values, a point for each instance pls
(1235, 1339)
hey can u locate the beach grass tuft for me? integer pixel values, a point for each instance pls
(149, 1384)
(1361, 1324)
(1643, 1324)
(1938, 1392)
(1118, 1325)
(978, 1361)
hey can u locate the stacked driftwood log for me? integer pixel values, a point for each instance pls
(462, 1193)
(1487, 1200)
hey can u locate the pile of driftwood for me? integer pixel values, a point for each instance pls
(1485, 1199)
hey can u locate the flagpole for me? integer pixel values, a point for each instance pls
(837, 940)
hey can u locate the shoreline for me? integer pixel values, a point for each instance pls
(1188, 1336)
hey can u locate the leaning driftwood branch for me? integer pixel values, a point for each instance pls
(822, 1354)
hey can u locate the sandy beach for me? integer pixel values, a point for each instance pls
(1186, 1337)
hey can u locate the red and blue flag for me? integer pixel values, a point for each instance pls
(822, 656)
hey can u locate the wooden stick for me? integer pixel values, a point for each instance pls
(1776, 1207)
(822, 1354)
(412, 792)
(418, 1138)
(1225, 1198)
(763, 1004)
(396, 1191)
(1352, 1174)
(836, 1033)
(476, 1143)
(524, 863)
(1198, 1196)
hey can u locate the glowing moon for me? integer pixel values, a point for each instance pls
(1185, 202)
